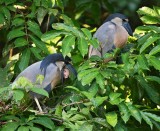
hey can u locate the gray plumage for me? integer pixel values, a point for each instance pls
(111, 34)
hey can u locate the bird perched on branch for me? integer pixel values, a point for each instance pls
(55, 69)
(113, 33)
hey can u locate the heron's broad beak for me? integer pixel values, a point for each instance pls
(128, 28)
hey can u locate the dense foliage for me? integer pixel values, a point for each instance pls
(120, 95)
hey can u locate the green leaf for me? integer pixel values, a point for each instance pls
(18, 22)
(149, 41)
(19, 42)
(34, 28)
(23, 128)
(18, 95)
(41, 12)
(24, 60)
(147, 11)
(101, 121)
(36, 52)
(77, 117)
(39, 91)
(153, 78)
(114, 98)
(58, 111)
(112, 118)
(155, 62)
(59, 3)
(124, 111)
(83, 73)
(74, 30)
(100, 81)
(87, 33)
(86, 127)
(14, 34)
(87, 79)
(147, 119)
(72, 87)
(35, 129)
(145, 37)
(4, 89)
(98, 100)
(94, 42)
(150, 20)
(142, 61)
(6, 13)
(67, 20)
(41, 45)
(153, 116)
(134, 112)
(44, 121)
(155, 50)
(50, 35)
(2, 20)
(67, 44)
(82, 46)
(10, 126)
(151, 92)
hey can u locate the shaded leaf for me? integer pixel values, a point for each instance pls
(24, 60)
(41, 12)
(134, 112)
(124, 111)
(14, 34)
(23, 128)
(142, 61)
(10, 126)
(100, 81)
(19, 42)
(155, 62)
(147, 120)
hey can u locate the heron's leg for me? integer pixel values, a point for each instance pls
(37, 102)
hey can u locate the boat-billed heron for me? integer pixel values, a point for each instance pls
(113, 33)
(55, 69)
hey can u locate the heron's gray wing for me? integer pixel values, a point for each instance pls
(106, 34)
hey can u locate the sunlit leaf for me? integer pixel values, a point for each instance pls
(112, 118)
(82, 46)
(50, 35)
(155, 50)
(87, 33)
(67, 44)
(18, 95)
(39, 91)
(100, 81)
